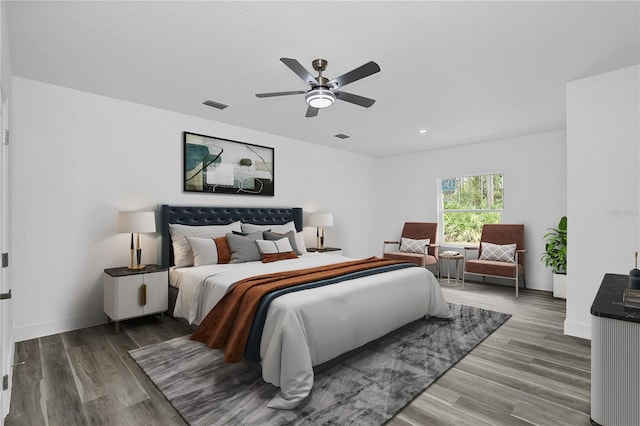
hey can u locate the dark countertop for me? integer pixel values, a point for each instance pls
(322, 250)
(125, 271)
(608, 301)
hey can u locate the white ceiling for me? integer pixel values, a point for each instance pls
(466, 71)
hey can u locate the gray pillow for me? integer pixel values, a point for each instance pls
(244, 247)
(291, 236)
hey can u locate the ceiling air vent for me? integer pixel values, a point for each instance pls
(215, 104)
(342, 136)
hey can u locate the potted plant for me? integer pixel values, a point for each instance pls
(555, 257)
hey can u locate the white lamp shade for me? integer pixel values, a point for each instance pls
(136, 222)
(321, 219)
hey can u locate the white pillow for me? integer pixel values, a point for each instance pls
(499, 253)
(274, 246)
(408, 245)
(275, 250)
(182, 254)
(300, 243)
(205, 251)
(250, 228)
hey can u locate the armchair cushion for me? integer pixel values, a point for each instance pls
(492, 267)
(409, 245)
(418, 259)
(499, 253)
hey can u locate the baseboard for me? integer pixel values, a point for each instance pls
(540, 285)
(42, 329)
(577, 329)
(531, 284)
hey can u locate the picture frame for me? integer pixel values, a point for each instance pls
(224, 166)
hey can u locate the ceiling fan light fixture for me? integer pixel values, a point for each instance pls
(320, 98)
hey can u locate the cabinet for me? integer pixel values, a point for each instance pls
(132, 293)
(615, 350)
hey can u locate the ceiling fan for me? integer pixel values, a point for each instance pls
(323, 91)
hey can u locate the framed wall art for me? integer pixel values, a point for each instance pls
(223, 166)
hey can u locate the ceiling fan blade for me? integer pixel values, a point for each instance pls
(296, 67)
(355, 99)
(269, 95)
(354, 75)
(311, 112)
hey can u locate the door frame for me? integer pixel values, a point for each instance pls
(6, 305)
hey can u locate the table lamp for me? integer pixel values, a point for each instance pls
(320, 220)
(138, 223)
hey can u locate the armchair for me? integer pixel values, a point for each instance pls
(416, 231)
(503, 261)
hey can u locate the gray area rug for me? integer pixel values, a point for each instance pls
(367, 388)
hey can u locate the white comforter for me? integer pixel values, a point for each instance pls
(310, 327)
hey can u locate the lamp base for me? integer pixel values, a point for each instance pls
(320, 238)
(136, 266)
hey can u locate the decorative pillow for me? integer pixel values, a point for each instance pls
(205, 251)
(291, 236)
(224, 252)
(280, 229)
(273, 250)
(244, 248)
(247, 233)
(504, 253)
(301, 249)
(268, 258)
(182, 254)
(407, 245)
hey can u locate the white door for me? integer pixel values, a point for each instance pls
(6, 305)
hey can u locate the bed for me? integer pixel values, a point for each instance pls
(306, 328)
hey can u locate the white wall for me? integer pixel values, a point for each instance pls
(79, 158)
(534, 188)
(603, 118)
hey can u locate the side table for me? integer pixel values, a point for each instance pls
(451, 256)
(329, 250)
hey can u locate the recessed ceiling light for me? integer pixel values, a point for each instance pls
(422, 131)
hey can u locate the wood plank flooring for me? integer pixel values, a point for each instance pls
(525, 373)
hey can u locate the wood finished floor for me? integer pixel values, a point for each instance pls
(527, 372)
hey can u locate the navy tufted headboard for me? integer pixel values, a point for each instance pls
(196, 216)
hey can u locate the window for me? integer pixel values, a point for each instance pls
(467, 203)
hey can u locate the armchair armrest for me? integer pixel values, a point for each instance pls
(523, 251)
(435, 250)
(384, 245)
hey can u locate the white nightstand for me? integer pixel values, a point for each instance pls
(328, 250)
(130, 293)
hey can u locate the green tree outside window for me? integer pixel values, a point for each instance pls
(468, 203)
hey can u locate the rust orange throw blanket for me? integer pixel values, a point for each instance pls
(228, 324)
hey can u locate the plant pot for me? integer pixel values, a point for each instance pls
(560, 286)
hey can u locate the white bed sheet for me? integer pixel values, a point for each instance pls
(310, 327)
